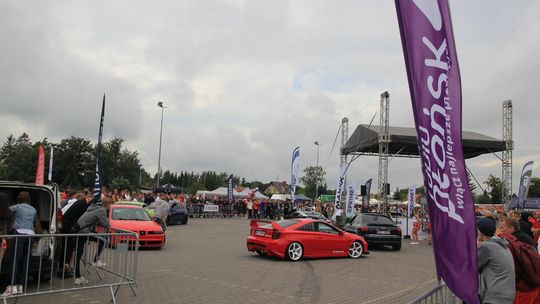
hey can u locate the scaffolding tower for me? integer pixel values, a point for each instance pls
(384, 139)
(507, 153)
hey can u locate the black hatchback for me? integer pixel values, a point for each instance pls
(377, 229)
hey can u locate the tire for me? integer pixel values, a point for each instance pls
(185, 220)
(260, 252)
(294, 251)
(356, 250)
(396, 247)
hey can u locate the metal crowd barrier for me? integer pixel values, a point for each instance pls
(47, 263)
(226, 211)
(441, 294)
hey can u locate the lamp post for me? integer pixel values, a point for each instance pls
(316, 143)
(160, 104)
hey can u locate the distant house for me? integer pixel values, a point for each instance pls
(277, 188)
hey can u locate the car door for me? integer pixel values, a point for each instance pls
(307, 235)
(330, 242)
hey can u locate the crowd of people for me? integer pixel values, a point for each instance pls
(507, 242)
(508, 257)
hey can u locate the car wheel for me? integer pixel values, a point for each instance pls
(356, 250)
(260, 252)
(294, 251)
(396, 247)
(184, 221)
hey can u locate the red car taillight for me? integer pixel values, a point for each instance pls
(398, 230)
(363, 229)
(59, 217)
(275, 234)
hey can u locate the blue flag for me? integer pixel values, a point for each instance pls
(97, 185)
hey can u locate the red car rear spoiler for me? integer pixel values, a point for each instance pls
(255, 224)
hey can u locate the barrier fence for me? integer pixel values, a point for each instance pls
(37, 265)
(441, 294)
(230, 211)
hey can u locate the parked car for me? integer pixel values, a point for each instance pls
(377, 229)
(308, 214)
(136, 219)
(46, 200)
(178, 214)
(294, 239)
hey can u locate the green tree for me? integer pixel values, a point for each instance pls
(494, 188)
(121, 183)
(18, 159)
(74, 163)
(314, 175)
(534, 187)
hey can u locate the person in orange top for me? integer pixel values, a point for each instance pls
(256, 209)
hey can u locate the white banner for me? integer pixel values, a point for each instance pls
(294, 170)
(339, 187)
(211, 208)
(526, 174)
(412, 200)
(349, 205)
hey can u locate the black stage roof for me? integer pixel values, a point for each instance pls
(365, 140)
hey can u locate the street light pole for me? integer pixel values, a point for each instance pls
(160, 104)
(317, 182)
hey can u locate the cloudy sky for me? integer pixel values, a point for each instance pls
(245, 82)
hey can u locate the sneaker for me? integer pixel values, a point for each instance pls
(99, 264)
(7, 292)
(81, 281)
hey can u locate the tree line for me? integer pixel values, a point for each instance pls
(74, 167)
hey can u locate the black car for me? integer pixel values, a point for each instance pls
(177, 214)
(377, 229)
(308, 214)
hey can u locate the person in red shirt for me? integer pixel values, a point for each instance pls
(534, 220)
(256, 209)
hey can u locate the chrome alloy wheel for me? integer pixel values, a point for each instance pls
(295, 251)
(355, 250)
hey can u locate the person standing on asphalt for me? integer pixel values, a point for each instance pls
(70, 218)
(161, 208)
(96, 214)
(26, 224)
(495, 265)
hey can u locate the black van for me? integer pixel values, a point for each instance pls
(46, 200)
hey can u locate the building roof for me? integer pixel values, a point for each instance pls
(365, 140)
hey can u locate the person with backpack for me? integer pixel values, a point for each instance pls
(70, 218)
(495, 265)
(526, 262)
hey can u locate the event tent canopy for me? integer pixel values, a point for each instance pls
(222, 191)
(283, 197)
(365, 140)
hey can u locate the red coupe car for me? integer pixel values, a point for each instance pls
(297, 238)
(135, 218)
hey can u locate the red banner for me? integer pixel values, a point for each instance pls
(40, 172)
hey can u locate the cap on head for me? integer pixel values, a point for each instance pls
(487, 226)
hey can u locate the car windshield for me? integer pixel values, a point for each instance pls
(130, 214)
(376, 220)
(287, 223)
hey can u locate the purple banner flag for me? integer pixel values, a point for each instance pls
(435, 88)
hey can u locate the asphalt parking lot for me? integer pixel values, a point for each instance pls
(206, 261)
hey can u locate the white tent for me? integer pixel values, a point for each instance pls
(222, 191)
